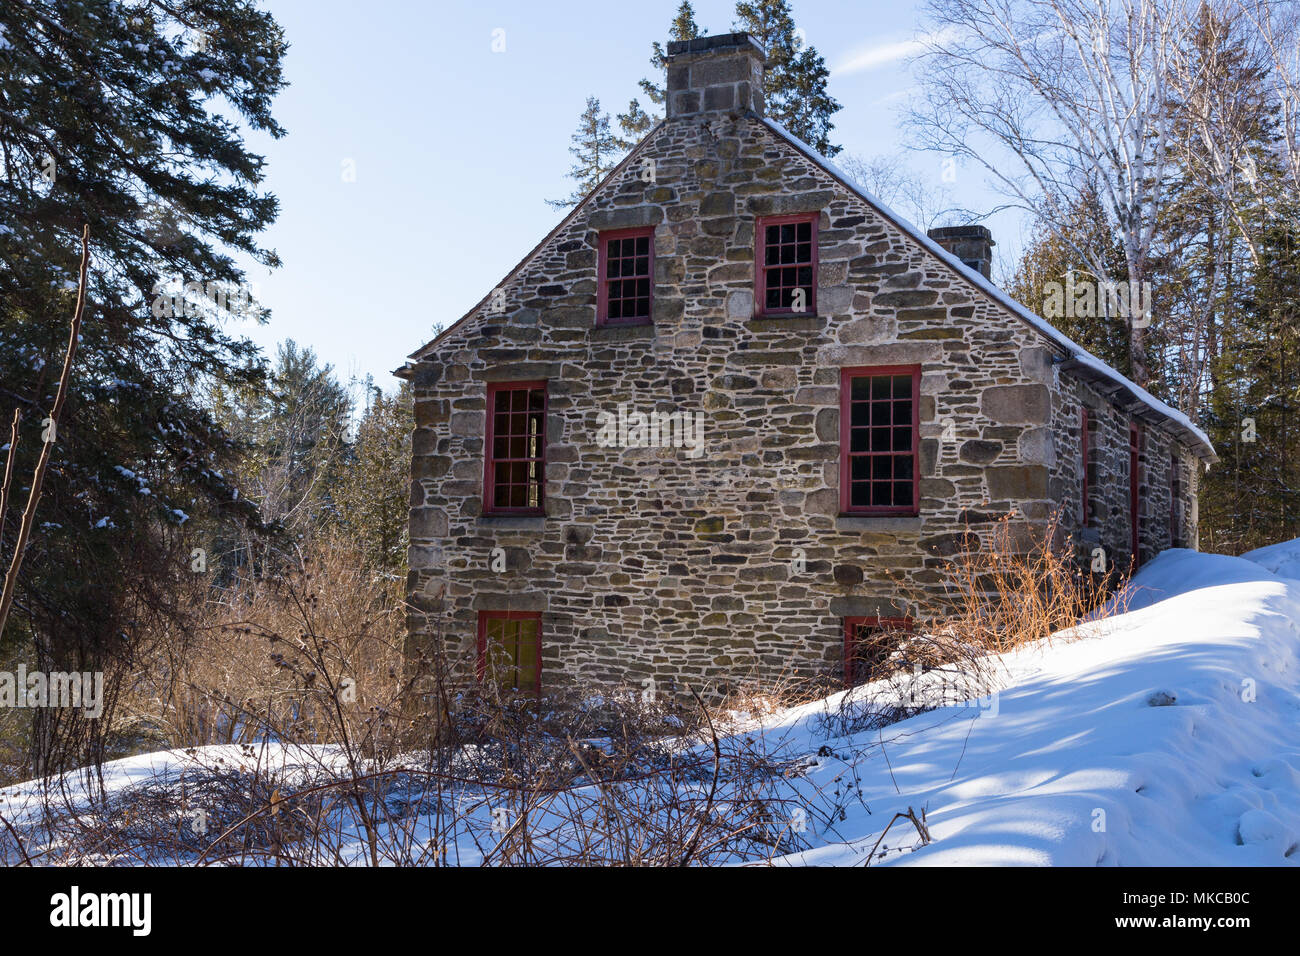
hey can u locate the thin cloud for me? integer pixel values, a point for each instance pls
(883, 54)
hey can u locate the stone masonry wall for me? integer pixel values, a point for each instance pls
(650, 563)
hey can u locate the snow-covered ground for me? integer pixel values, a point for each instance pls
(1172, 739)
(1166, 736)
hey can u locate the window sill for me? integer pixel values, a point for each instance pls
(514, 521)
(854, 522)
(800, 322)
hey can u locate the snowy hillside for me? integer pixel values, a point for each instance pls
(1166, 736)
(1181, 724)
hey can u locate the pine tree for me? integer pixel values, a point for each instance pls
(596, 151)
(794, 86)
(633, 125)
(373, 494)
(129, 118)
(683, 27)
(1252, 497)
(292, 435)
(1053, 280)
(1228, 269)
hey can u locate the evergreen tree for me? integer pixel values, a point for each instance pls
(1053, 280)
(126, 117)
(683, 27)
(1252, 497)
(794, 86)
(373, 495)
(633, 125)
(292, 434)
(596, 151)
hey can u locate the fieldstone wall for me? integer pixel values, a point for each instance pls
(1108, 525)
(653, 564)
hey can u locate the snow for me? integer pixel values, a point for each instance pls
(1163, 736)
(1282, 559)
(1076, 351)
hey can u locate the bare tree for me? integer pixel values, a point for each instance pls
(888, 177)
(1277, 26)
(1053, 98)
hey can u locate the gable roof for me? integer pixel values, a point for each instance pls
(1079, 361)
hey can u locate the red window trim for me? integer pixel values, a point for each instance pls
(489, 459)
(484, 617)
(1085, 431)
(760, 269)
(850, 630)
(602, 285)
(1134, 482)
(846, 375)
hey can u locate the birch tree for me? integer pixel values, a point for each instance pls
(1055, 99)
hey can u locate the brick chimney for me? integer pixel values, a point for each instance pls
(712, 75)
(973, 245)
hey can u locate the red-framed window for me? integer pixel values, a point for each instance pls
(625, 295)
(1134, 500)
(510, 649)
(1085, 441)
(514, 472)
(868, 642)
(785, 256)
(879, 440)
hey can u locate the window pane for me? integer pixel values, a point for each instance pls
(860, 495)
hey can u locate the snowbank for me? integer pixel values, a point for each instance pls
(1168, 740)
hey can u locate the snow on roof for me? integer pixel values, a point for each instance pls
(1081, 356)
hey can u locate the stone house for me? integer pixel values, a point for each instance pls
(708, 425)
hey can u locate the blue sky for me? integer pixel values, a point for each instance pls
(455, 147)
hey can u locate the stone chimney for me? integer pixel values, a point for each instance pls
(718, 74)
(973, 245)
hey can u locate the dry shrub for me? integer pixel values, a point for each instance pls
(1025, 583)
(276, 656)
(1014, 585)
